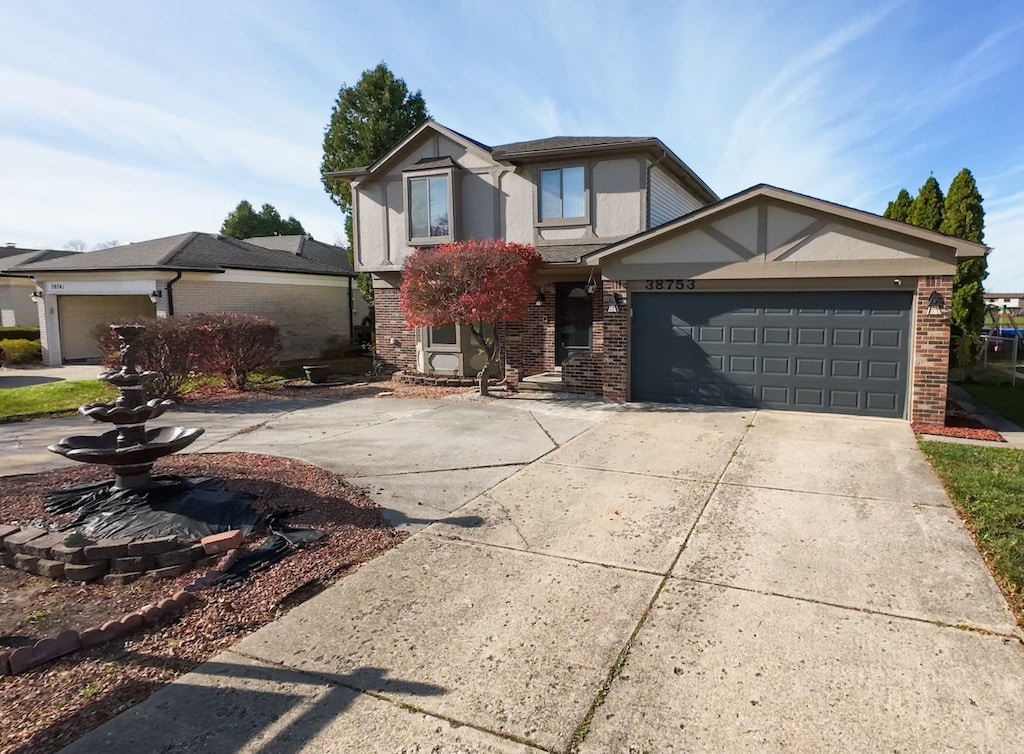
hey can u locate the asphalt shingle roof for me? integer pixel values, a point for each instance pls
(567, 253)
(17, 257)
(308, 248)
(187, 251)
(563, 142)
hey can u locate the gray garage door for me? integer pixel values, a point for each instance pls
(840, 352)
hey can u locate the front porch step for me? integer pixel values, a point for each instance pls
(549, 382)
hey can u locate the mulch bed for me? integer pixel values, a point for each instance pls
(209, 394)
(48, 707)
(959, 423)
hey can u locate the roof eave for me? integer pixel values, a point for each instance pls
(540, 154)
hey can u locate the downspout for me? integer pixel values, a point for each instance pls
(170, 293)
(351, 314)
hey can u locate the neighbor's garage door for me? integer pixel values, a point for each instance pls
(839, 352)
(80, 316)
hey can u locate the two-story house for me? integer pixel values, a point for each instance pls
(653, 288)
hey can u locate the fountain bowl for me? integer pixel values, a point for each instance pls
(156, 444)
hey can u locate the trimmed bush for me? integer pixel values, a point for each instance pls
(170, 346)
(21, 350)
(238, 345)
(19, 333)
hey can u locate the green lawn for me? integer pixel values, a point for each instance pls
(49, 399)
(987, 486)
(1006, 400)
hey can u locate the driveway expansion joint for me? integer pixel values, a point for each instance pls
(854, 608)
(916, 503)
(580, 734)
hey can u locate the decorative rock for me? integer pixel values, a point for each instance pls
(154, 546)
(227, 561)
(40, 546)
(25, 563)
(133, 564)
(21, 659)
(170, 572)
(86, 572)
(6, 559)
(60, 645)
(176, 557)
(8, 529)
(69, 554)
(108, 548)
(218, 543)
(16, 542)
(121, 579)
(51, 569)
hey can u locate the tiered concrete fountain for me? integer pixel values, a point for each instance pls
(131, 449)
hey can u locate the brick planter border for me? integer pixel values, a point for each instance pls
(13, 662)
(440, 380)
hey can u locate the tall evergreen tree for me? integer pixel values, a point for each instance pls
(900, 208)
(367, 119)
(245, 222)
(926, 211)
(964, 217)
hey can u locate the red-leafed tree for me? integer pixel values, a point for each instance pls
(472, 283)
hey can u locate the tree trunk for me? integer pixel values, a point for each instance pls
(490, 349)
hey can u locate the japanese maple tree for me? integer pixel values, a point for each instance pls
(472, 283)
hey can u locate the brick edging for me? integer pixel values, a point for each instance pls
(16, 661)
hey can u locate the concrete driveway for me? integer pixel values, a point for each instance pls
(600, 580)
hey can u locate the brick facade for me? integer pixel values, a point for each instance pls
(931, 353)
(395, 342)
(529, 346)
(307, 314)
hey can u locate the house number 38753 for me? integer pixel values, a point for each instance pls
(670, 285)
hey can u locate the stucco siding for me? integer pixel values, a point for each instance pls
(667, 199)
(17, 309)
(307, 315)
(618, 187)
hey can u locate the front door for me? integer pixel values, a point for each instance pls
(574, 320)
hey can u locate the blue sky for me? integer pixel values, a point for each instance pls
(128, 120)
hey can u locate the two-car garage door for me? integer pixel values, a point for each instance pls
(842, 352)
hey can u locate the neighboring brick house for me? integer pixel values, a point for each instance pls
(654, 289)
(306, 287)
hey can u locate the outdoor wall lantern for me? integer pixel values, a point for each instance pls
(37, 296)
(936, 304)
(156, 295)
(591, 285)
(618, 301)
(539, 301)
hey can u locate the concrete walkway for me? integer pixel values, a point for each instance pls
(638, 580)
(24, 376)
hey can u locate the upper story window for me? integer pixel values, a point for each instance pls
(563, 194)
(429, 208)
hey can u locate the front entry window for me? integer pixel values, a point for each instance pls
(574, 320)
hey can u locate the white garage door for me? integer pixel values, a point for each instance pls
(80, 316)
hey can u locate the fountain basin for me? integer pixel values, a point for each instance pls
(156, 444)
(124, 378)
(115, 414)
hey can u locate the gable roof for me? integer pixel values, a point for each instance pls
(307, 248)
(961, 247)
(187, 252)
(552, 146)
